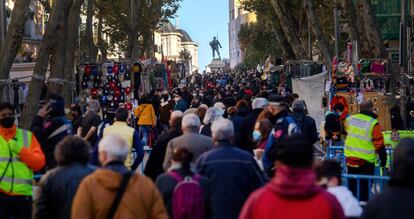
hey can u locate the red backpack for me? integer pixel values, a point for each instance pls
(188, 197)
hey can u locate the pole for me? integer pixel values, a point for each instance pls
(336, 29)
(309, 40)
(3, 22)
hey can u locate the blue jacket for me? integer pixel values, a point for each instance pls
(233, 175)
(181, 105)
(285, 126)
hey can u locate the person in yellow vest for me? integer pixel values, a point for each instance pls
(121, 129)
(20, 155)
(363, 143)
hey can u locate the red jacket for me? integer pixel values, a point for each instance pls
(292, 194)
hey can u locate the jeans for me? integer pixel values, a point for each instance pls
(15, 207)
(143, 133)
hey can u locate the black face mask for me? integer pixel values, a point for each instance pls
(7, 122)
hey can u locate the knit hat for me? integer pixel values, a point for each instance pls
(299, 105)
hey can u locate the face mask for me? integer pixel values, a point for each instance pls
(257, 136)
(340, 113)
(221, 111)
(7, 122)
(176, 99)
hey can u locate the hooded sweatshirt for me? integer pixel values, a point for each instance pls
(97, 192)
(292, 194)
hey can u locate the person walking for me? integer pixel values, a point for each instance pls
(90, 122)
(246, 140)
(363, 143)
(196, 143)
(115, 192)
(292, 193)
(146, 119)
(154, 168)
(396, 200)
(20, 155)
(51, 126)
(76, 113)
(121, 128)
(306, 123)
(233, 173)
(180, 171)
(58, 186)
(283, 126)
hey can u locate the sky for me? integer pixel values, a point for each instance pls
(204, 19)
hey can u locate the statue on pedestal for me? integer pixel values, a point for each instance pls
(215, 46)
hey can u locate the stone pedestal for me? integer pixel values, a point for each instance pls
(216, 65)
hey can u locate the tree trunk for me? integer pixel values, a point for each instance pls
(71, 48)
(38, 79)
(317, 30)
(289, 29)
(57, 61)
(89, 29)
(133, 44)
(286, 48)
(101, 43)
(371, 29)
(13, 40)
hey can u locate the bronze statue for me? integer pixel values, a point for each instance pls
(215, 44)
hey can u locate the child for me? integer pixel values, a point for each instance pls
(329, 176)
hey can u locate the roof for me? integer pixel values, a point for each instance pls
(186, 37)
(167, 26)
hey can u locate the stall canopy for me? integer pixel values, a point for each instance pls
(311, 90)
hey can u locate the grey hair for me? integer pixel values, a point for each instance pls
(259, 103)
(212, 115)
(222, 129)
(114, 146)
(191, 120)
(176, 114)
(93, 105)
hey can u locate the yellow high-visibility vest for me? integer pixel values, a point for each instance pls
(359, 139)
(122, 130)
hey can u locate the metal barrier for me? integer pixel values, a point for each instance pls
(337, 153)
(376, 184)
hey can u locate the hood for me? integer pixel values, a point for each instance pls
(294, 183)
(108, 179)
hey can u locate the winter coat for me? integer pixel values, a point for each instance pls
(181, 105)
(194, 142)
(153, 168)
(50, 132)
(307, 126)
(233, 174)
(246, 140)
(166, 184)
(146, 115)
(97, 192)
(292, 194)
(394, 202)
(57, 189)
(237, 123)
(349, 203)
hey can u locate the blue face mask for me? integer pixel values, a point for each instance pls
(257, 136)
(340, 114)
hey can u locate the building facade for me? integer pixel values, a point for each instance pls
(237, 16)
(170, 41)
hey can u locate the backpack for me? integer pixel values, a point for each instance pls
(188, 197)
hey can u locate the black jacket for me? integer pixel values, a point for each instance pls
(246, 140)
(307, 126)
(57, 188)
(154, 164)
(49, 132)
(394, 202)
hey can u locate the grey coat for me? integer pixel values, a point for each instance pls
(194, 142)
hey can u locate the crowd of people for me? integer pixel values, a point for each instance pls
(227, 146)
